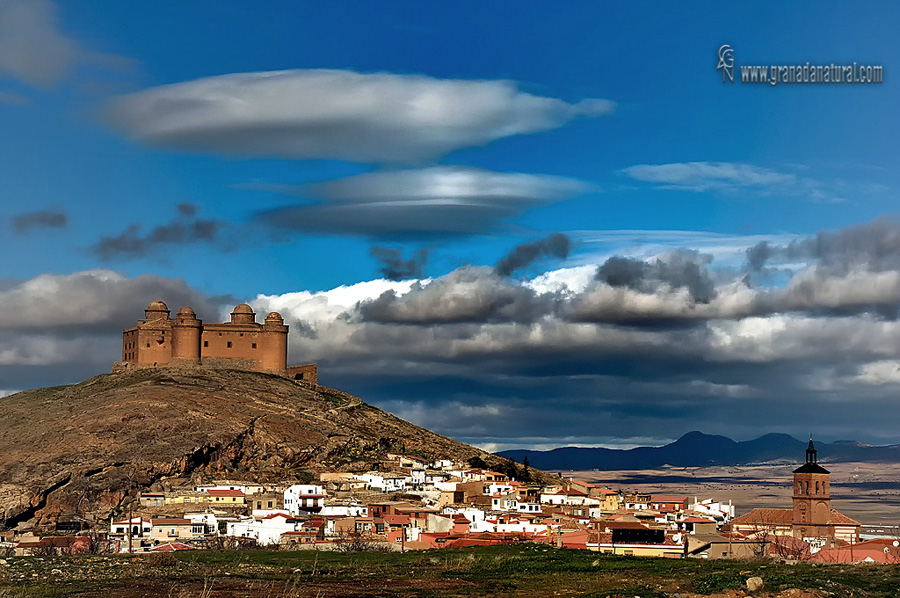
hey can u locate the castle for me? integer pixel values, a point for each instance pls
(242, 343)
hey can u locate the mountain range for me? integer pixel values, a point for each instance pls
(696, 449)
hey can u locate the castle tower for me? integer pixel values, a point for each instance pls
(274, 333)
(243, 314)
(150, 342)
(186, 330)
(812, 498)
(157, 310)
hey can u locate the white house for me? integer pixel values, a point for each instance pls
(304, 498)
(265, 531)
(207, 519)
(352, 509)
(416, 478)
(385, 482)
(140, 527)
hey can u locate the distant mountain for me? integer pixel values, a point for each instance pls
(696, 449)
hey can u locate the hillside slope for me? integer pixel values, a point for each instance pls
(80, 448)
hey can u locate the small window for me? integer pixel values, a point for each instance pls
(229, 344)
(242, 334)
(205, 343)
(253, 345)
(148, 345)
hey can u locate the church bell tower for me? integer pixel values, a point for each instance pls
(812, 498)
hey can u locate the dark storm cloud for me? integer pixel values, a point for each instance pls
(28, 221)
(679, 269)
(394, 267)
(874, 246)
(184, 230)
(758, 255)
(556, 245)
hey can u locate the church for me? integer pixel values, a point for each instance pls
(811, 519)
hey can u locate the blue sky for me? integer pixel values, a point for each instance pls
(298, 155)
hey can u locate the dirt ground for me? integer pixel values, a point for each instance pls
(867, 492)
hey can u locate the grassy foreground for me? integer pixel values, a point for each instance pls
(520, 571)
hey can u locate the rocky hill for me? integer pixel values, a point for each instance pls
(81, 448)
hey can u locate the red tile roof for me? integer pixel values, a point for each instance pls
(766, 517)
(225, 492)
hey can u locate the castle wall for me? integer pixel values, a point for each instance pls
(232, 341)
(308, 372)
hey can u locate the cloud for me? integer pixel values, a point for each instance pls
(563, 355)
(556, 245)
(28, 221)
(880, 372)
(394, 267)
(184, 230)
(60, 329)
(440, 200)
(679, 269)
(704, 176)
(93, 300)
(32, 48)
(338, 114)
(468, 294)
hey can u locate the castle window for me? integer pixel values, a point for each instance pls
(229, 344)
(253, 345)
(148, 345)
(242, 334)
(205, 343)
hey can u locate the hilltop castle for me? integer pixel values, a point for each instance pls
(242, 343)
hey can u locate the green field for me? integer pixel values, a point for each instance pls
(526, 570)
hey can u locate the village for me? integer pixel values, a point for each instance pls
(412, 504)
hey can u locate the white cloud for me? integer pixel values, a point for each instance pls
(338, 114)
(879, 372)
(703, 176)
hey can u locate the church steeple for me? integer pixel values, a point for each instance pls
(811, 452)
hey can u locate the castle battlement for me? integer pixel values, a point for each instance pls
(242, 343)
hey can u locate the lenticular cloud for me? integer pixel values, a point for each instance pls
(338, 114)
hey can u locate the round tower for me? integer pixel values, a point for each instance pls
(186, 332)
(157, 310)
(274, 336)
(243, 314)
